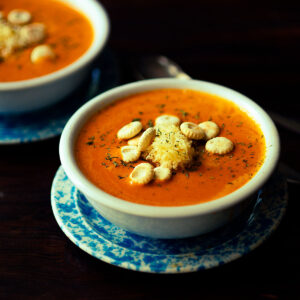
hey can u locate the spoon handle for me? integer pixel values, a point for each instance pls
(160, 66)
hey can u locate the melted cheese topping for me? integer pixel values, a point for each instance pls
(170, 148)
(7, 38)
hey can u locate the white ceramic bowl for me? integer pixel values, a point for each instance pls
(27, 95)
(168, 222)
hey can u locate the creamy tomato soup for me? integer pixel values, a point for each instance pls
(68, 34)
(209, 176)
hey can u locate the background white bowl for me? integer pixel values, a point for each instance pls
(168, 222)
(27, 95)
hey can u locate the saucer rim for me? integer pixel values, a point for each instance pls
(229, 257)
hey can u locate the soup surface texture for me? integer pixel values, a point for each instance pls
(68, 32)
(97, 148)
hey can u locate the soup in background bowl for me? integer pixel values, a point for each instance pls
(206, 193)
(47, 56)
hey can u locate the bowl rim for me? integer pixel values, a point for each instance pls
(97, 44)
(95, 194)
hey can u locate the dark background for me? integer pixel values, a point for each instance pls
(250, 46)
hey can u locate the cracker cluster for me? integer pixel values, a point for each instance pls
(17, 32)
(168, 146)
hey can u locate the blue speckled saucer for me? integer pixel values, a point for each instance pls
(49, 122)
(85, 227)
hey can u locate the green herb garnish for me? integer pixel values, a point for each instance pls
(123, 163)
(184, 113)
(150, 123)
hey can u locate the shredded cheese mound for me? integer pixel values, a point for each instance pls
(15, 37)
(9, 38)
(5, 32)
(170, 148)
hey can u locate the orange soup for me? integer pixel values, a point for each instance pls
(212, 176)
(68, 33)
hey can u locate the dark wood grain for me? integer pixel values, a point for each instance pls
(251, 46)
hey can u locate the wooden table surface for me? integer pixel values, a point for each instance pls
(250, 46)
